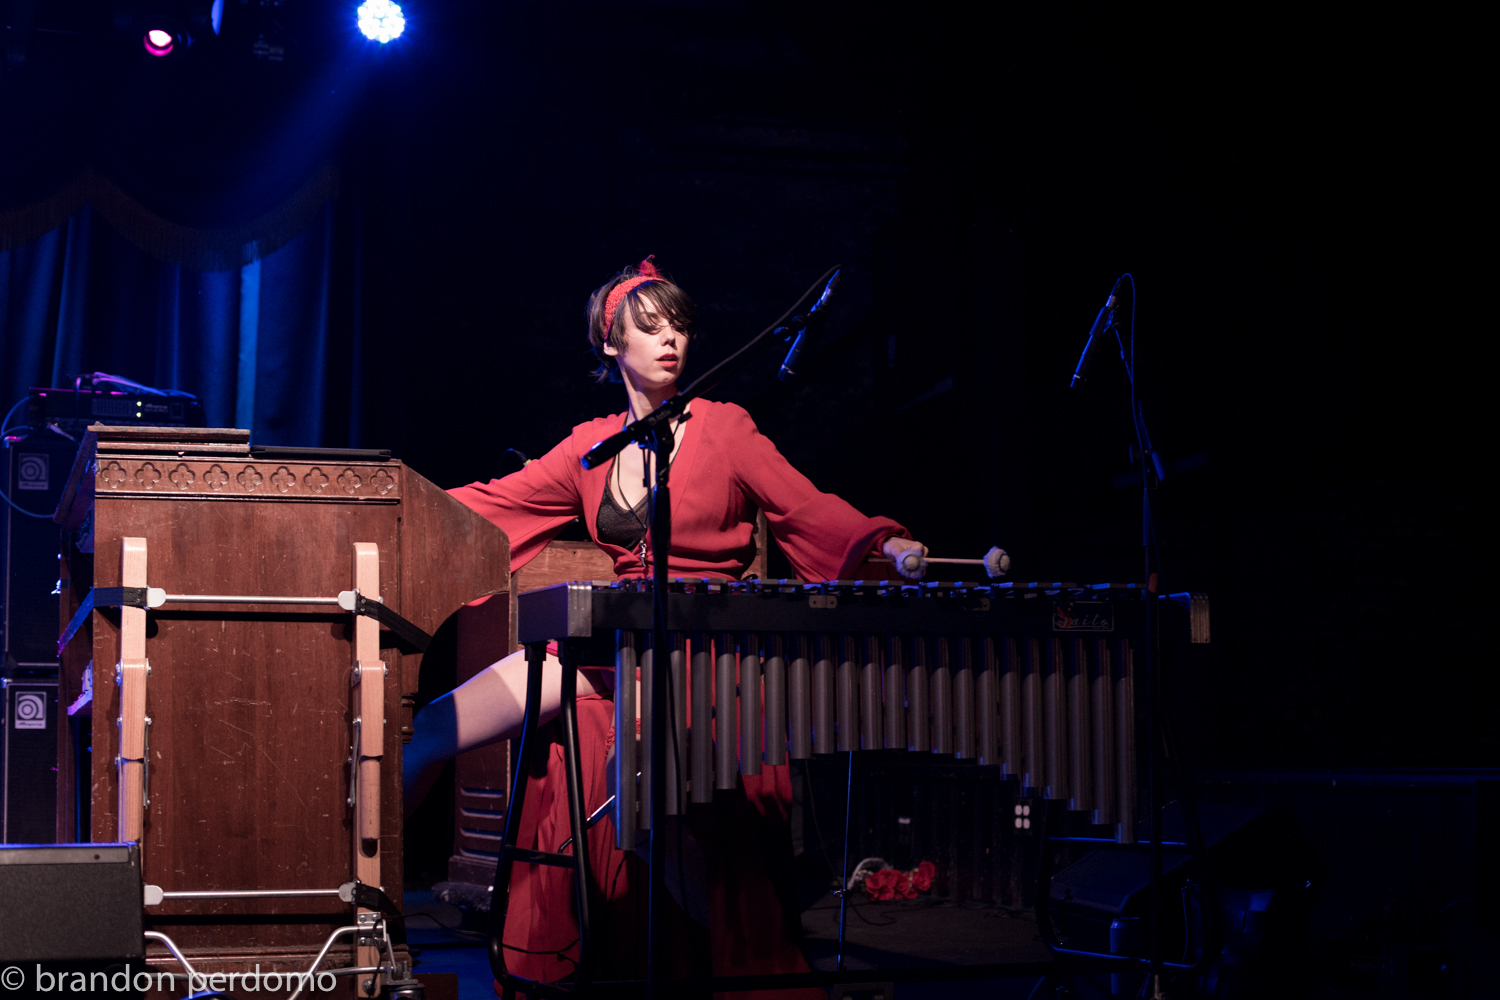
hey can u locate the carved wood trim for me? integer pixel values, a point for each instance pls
(140, 476)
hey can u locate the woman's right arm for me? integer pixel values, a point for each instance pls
(531, 505)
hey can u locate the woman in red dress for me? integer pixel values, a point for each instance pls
(723, 472)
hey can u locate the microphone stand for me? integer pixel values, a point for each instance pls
(654, 430)
(1146, 457)
(1160, 740)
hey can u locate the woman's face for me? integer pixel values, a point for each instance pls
(655, 351)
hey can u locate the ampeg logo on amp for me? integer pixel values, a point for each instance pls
(33, 471)
(31, 710)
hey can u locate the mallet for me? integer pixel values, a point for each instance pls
(913, 565)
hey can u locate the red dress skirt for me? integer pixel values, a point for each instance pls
(744, 835)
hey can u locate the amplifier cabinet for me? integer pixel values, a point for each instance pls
(28, 767)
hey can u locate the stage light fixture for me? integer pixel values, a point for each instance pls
(159, 41)
(380, 20)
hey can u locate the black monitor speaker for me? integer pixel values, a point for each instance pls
(1265, 877)
(71, 903)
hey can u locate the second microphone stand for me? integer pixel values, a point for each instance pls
(1159, 737)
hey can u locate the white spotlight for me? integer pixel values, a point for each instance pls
(380, 20)
(159, 42)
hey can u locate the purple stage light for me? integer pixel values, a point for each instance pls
(159, 42)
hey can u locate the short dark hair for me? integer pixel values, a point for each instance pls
(662, 296)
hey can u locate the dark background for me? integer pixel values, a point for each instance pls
(1293, 191)
(1286, 190)
(1297, 194)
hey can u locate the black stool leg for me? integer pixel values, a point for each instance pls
(536, 657)
(572, 764)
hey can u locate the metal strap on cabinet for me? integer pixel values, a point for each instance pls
(156, 597)
(132, 761)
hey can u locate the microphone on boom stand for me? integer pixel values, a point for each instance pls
(1102, 323)
(794, 356)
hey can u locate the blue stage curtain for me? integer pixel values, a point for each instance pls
(251, 343)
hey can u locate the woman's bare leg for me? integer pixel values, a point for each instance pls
(487, 708)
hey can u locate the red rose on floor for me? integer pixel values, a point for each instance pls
(883, 884)
(921, 878)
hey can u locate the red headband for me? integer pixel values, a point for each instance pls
(645, 272)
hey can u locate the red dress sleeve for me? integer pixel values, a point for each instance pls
(824, 537)
(532, 505)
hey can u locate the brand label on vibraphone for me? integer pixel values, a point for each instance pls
(1083, 616)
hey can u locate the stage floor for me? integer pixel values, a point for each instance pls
(898, 933)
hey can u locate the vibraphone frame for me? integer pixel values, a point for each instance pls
(1036, 679)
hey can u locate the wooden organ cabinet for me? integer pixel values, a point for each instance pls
(253, 746)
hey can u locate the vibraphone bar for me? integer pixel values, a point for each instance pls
(1036, 679)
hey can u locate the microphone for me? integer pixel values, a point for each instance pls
(794, 356)
(1102, 322)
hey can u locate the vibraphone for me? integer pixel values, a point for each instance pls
(1036, 679)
